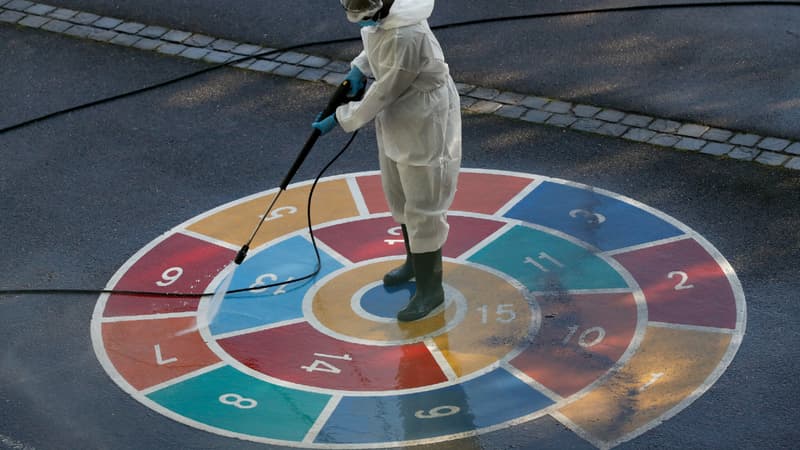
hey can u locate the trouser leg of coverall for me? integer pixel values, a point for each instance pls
(419, 196)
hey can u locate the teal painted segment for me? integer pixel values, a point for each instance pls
(251, 406)
(544, 262)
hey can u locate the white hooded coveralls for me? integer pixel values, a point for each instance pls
(417, 114)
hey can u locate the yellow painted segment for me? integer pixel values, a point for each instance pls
(498, 319)
(332, 201)
(669, 365)
(332, 307)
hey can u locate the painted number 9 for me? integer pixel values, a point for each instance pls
(439, 411)
(170, 276)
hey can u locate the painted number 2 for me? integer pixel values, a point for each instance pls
(684, 278)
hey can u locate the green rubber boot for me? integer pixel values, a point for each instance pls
(430, 293)
(404, 273)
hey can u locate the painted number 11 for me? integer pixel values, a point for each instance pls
(544, 257)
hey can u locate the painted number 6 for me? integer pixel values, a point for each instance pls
(439, 411)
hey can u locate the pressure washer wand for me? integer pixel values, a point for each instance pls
(340, 97)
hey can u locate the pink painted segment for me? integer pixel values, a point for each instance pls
(581, 338)
(683, 284)
(483, 193)
(178, 264)
(380, 237)
(300, 354)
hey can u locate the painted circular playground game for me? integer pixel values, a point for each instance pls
(562, 300)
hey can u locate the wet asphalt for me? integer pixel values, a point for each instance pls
(83, 192)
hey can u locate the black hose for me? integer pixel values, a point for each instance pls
(13, 292)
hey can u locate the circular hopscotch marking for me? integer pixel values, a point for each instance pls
(562, 300)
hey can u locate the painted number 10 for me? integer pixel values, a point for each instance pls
(597, 333)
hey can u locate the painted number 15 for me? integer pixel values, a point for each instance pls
(503, 313)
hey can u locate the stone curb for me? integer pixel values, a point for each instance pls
(683, 136)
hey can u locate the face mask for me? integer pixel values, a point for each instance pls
(367, 23)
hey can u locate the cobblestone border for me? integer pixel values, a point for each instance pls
(693, 137)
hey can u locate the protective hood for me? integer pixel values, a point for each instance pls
(407, 12)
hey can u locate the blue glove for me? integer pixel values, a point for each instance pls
(357, 81)
(325, 125)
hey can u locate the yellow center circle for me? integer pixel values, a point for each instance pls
(486, 317)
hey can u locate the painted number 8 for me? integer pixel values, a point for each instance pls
(439, 411)
(237, 401)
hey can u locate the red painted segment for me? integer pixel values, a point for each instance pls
(485, 192)
(178, 264)
(683, 284)
(372, 191)
(477, 192)
(300, 354)
(131, 347)
(581, 338)
(379, 237)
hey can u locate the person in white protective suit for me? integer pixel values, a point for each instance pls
(417, 114)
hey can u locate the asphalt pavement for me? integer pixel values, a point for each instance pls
(81, 193)
(727, 66)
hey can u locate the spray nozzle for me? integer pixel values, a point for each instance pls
(242, 254)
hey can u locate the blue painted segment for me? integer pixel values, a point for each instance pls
(570, 209)
(485, 401)
(387, 302)
(293, 258)
(544, 262)
(228, 399)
